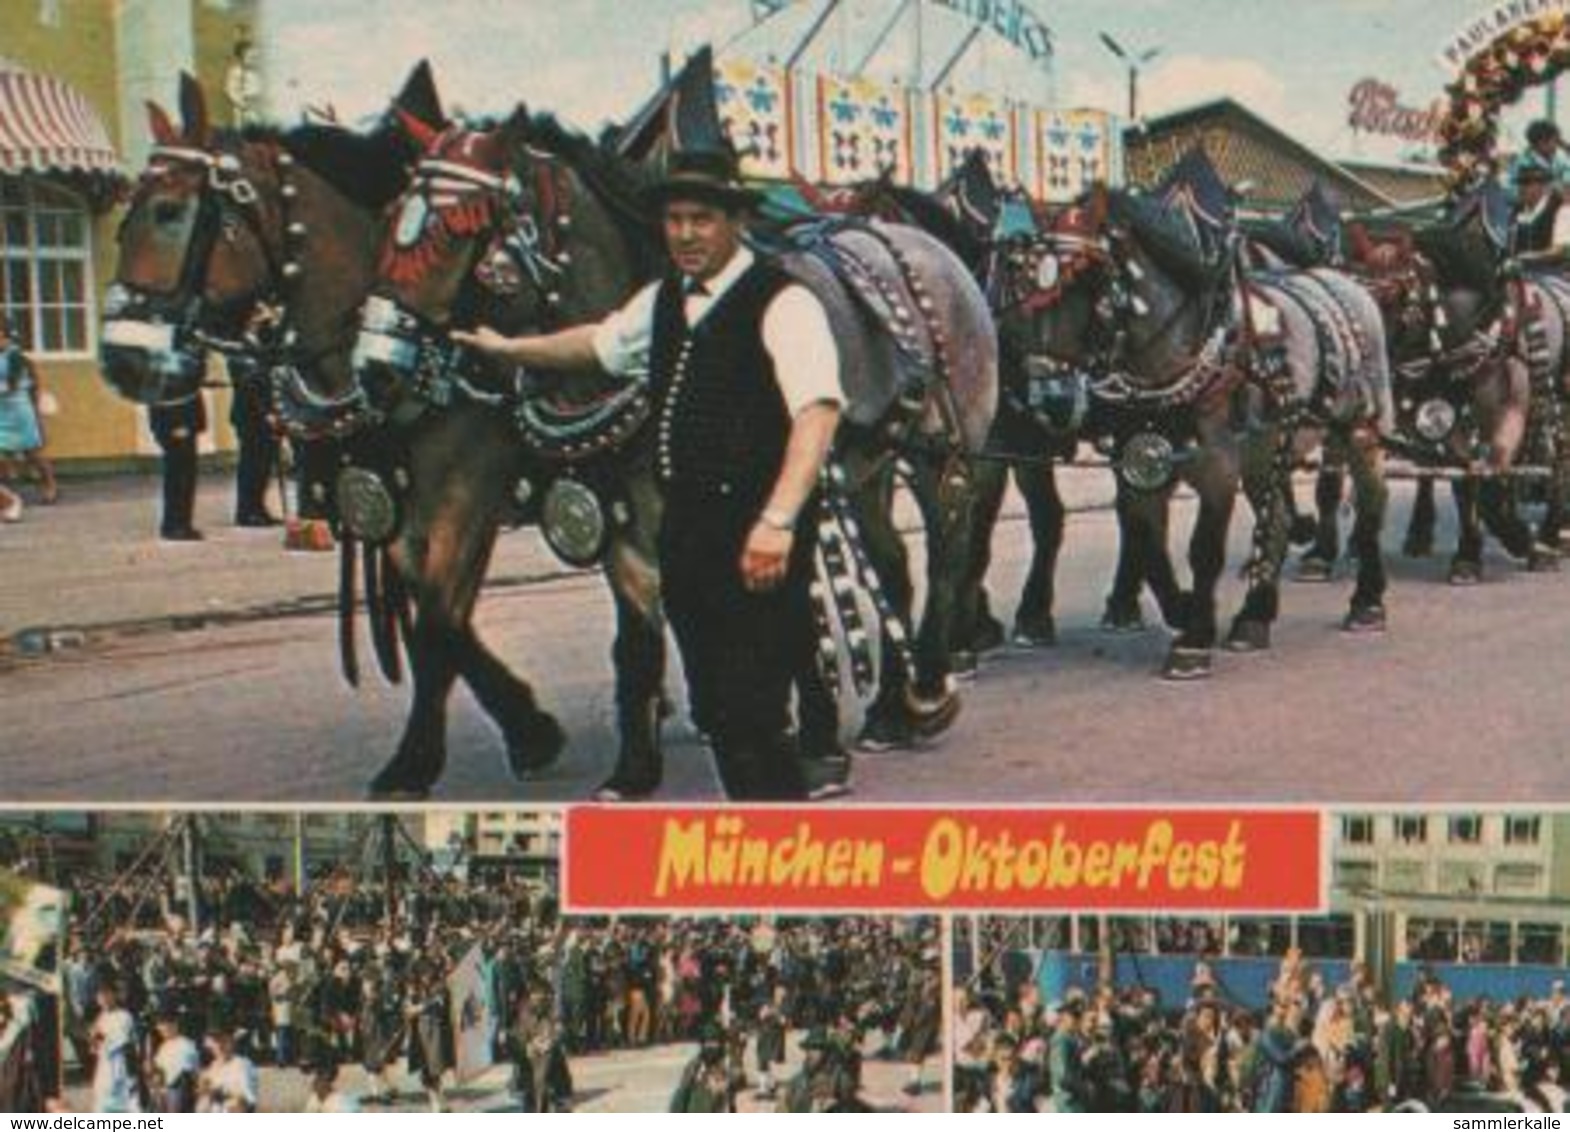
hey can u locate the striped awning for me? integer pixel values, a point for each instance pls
(48, 126)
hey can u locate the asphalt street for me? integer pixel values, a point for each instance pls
(192, 674)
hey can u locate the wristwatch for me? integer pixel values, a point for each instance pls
(779, 520)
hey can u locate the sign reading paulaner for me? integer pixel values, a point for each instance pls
(1489, 24)
(660, 859)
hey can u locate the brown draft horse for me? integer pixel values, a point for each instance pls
(579, 256)
(265, 243)
(431, 286)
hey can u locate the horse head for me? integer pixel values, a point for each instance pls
(446, 252)
(179, 270)
(525, 226)
(1386, 261)
(1051, 274)
(257, 243)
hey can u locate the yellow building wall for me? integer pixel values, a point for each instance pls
(93, 423)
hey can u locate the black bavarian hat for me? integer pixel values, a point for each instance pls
(709, 176)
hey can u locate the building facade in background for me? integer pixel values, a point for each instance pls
(74, 79)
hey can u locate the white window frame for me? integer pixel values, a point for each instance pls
(82, 255)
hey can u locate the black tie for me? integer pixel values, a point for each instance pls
(696, 287)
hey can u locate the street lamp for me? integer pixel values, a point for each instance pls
(1134, 61)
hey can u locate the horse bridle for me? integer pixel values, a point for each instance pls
(269, 343)
(525, 246)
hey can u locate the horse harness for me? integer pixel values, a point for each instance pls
(1434, 389)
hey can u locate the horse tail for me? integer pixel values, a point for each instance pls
(348, 659)
(384, 625)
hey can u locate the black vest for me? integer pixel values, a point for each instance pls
(721, 422)
(1537, 235)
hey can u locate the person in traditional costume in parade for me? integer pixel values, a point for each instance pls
(746, 375)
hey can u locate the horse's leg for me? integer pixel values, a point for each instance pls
(1262, 484)
(1142, 558)
(442, 556)
(1146, 521)
(638, 654)
(871, 479)
(430, 556)
(976, 630)
(1372, 496)
(1319, 561)
(1496, 504)
(1214, 477)
(1419, 541)
(1305, 529)
(1550, 532)
(946, 495)
(1034, 626)
(1466, 568)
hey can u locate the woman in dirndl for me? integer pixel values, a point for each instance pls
(21, 433)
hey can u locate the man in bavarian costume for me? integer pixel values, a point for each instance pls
(1542, 224)
(707, 1084)
(747, 389)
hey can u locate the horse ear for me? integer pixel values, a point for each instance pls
(420, 100)
(163, 129)
(415, 128)
(193, 110)
(495, 149)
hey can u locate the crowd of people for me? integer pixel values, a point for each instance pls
(173, 1001)
(1316, 1048)
(160, 1017)
(735, 985)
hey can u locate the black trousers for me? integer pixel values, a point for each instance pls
(741, 651)
(176, 428)
(258, 449)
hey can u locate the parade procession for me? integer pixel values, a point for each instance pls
(784, 556)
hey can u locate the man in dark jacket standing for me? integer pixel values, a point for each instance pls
(176, 427)
(745, 375)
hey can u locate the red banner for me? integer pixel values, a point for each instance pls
(769, 859)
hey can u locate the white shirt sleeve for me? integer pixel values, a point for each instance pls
(1561, 237)
(798, 337)
(622, 339)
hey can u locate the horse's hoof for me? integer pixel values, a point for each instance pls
(884, 731)
(1465, 573)
(1186, 664)
(1249, 636)
(931, 717)
(1035, 633)
(1303, 531)
(1417, 547)
(386, 788)
(827, 776)
(988, 637)
(1312, 568)
(964, 664)
(1365, 619)
(1123, 619)
(628, 786)
(535, 747)
(1542, 559)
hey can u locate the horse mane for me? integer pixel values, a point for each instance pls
(929, 214)
(617, 183)
(1175, 248)
(369, 169)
